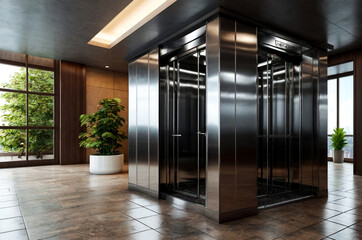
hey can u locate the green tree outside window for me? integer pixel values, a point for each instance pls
(40, 109)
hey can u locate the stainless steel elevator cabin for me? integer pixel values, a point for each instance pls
(227, 118)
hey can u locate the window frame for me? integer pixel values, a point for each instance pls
(27, 127)
(337, 78)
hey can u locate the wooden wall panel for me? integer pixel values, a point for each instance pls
(101, 84)
(341, 58)
(72, 105)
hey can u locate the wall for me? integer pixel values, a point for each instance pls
(72, 105)
(102, 84)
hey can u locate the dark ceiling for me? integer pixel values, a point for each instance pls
(61, 29)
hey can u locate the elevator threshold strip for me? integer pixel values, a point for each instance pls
(264, 206)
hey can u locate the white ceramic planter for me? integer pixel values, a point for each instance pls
(338, 156)
(110, 164)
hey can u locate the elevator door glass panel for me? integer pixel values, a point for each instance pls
(187, 163)
(187, 101)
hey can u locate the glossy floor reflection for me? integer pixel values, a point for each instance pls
(65, 202)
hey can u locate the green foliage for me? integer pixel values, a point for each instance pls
(104, 128)
(339, 140)
(40, 112)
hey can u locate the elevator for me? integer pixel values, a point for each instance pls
(185, 78)
(227, 118)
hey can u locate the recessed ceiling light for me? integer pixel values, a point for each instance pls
(135, 15)
(106, 66)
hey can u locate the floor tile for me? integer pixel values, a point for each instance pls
(144, 202)
(6, 191)
(10, 212)
(8, 198)
(345, 219)
(148, 234)
(139, 212)
(12, 203)
(347, 233)
(122, 229)
(176, 230)
(14, 235)
(11, 224)
(101, 207)
(197, 236)
(324, 228)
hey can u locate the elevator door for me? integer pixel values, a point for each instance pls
(279, 109)
(187, 127)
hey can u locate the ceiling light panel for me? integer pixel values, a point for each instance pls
(136, 14)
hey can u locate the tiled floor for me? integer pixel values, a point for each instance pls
(65, 202)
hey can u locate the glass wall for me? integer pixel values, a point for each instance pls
(340, 104)
(27, 100)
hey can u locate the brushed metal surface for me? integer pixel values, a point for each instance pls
(316, 83)
(295, 125)
(163, 127)
(212, 114)
(246, 117)
(227, 116)
(132, 122)
(153, 67)
(322, 125)
(143, 122)
(202, 121)
(231, 116)
(306, 144)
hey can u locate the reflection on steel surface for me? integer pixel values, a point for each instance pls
(143, 121)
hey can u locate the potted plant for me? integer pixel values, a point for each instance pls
(339, 141)
(105, 136)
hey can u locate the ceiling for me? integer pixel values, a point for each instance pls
(61, 29)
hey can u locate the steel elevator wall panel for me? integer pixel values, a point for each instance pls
(163, 155)
(232, 131)
(246, 116)
(321, 123)
(144, 123)
(132, 123)
(307, 120)
(153, 120)
(227, 116)
(213, 114)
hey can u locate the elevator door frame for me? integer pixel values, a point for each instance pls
(173, 126)
(293, 70)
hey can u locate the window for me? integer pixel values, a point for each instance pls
(27, 100)
(340, 104)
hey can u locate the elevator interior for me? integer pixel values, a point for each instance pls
(280, 164)
(184, 75)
